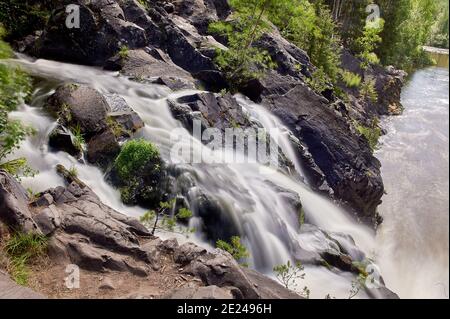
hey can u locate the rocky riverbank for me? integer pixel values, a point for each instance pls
(118, 256)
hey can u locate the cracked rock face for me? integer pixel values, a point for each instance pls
(85, 232)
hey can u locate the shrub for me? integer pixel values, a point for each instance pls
(350, 79)
(15, 86)
(371, 133)
(134, 156)
(289, 273)
(319, 82)
(22, 17)
(163, 220)
(124, 52)
(242, 62)
(139, 169)
(235, 248)
(368, 91)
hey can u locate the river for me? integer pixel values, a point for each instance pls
(413, 241)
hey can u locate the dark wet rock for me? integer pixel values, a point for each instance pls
(103, 31)
(120, 112)
(14, 210)
(44, 201)
(335, 249)
(290, 59)
(103, 148)
(219, 112)
(142, 66)
(80, 105)
(61, 139)
(212, 80)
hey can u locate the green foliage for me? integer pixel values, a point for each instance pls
(78, 137)
(357, 285)
(301, 217)
(319, 81)
(368, 91)
(15, 86)
(23, 249)
(164, 220)
(372, 133)
(350, 79)
(310, 26)
(235, 248)
(73, 172)
(135, 154)
(289, 273)
(242, 61)
(124, 52)
(408, 27)
(22, 17)
(368, 42)
(440, 30)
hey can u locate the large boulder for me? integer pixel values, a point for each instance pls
(80, 105)
(103, 120)
(103, 31)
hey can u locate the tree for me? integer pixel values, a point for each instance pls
(235, 248)
(15, 85)
(407, 28)
(242, 61)
(165, 219)
(288, 275)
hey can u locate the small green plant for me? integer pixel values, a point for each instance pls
(368, 91)
(372, 133)
(23, 249)
(116, 128)
(73, 172)
(357, 285)
(350, 79)
(289, 273)
(124, 52)
(78, 137)
(162, 220)
(319, 82)
(235, 248)
(301, 217)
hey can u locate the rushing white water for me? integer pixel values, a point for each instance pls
(269, 228)
(413, 242)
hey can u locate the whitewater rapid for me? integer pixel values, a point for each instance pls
(270, 229)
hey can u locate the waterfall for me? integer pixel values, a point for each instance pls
(269, 227)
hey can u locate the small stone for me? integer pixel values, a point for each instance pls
(107, 284)
(44, 201)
